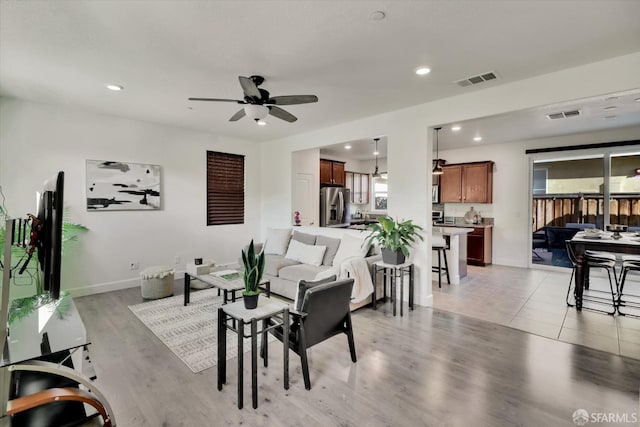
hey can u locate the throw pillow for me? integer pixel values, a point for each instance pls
(303, 285)
(332, 248)
(277, 241)
(307, 239)
(350, 246)
(306, 254)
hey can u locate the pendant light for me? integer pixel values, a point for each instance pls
(376, 174)
(437, 169)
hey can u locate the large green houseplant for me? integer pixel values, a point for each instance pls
(253, 271)
(394, 238)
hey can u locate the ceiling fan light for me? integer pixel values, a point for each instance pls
(261, 122)
(256, 112)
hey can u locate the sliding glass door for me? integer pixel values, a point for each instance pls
(574, 193)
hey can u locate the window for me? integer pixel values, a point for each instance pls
(540, 181)
(225, 188)
(380, 193)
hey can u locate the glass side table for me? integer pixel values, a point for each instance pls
(267, 309)
(393, 272)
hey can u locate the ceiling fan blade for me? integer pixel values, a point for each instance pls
(217, 100)
(292, 99)
(282, 114)
(237, 116)
(249, 87)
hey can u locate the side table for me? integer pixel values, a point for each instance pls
(267, 309)
(229, 287)
(393, 272)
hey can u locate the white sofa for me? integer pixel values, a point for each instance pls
(292, 255)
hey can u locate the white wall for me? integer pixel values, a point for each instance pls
(37, 140)
(511, 193)
(410, 144)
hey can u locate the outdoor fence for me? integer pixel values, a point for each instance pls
(559, 209)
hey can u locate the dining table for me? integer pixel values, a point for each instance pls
(583, 241)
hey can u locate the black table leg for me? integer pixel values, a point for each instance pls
(240, 360)
(411, 284)
(222, 356)
(265, 342)
(579, 281)
(285, 344)
(394, 293)
(187, 287)
(254, 363)
(401, 271)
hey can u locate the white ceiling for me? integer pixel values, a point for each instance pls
(163, 52)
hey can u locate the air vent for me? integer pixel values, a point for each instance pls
(474, 80)
(563, 114)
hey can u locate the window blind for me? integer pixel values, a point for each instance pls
(225, 188)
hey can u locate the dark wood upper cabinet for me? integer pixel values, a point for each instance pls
(331, 172)
(467, 183)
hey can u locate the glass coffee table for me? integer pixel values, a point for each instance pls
(228, 285)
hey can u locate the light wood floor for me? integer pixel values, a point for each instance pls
(428, 368)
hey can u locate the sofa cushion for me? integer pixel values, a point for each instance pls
(306, 254)
(277, 241)
(350, 246)
(273, 264)
(301, 272)
(304, 285)
(307, 239)
(332, 248)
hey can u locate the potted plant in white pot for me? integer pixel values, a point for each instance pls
(253, 271)
(394, 238)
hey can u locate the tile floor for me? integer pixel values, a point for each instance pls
(533, 300)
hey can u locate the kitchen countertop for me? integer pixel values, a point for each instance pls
(450, 231)
(462, 224)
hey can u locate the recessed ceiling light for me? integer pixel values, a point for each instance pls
(456, 128)
(423, 71)
(637, 99)
(610, 108)
(377, 15)
(375, 153)
(261, 122)
(611, 98)
(608, 117)
(477, 138)
(116, 88)
(347, 147)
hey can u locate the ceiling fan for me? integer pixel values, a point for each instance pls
(258, 103)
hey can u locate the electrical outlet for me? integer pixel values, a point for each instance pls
(176, 260)
(134, 265)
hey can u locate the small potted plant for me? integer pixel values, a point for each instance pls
(253, 270)
(394, 238)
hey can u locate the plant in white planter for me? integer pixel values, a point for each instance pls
(253, 271)
(394, 238)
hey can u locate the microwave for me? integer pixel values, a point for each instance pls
(437, 216)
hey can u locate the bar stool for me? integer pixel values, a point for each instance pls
(629, 262)
(439, 244)
(607, 262)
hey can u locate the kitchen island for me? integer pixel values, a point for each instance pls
(457, 253)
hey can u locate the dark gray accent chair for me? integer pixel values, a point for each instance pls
(323, 314)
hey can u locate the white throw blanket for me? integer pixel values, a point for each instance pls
(356, 268)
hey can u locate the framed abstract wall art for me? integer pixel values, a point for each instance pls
(115, 186)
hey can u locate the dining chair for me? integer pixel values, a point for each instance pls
(627, 299)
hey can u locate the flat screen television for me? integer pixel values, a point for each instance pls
(49, 246)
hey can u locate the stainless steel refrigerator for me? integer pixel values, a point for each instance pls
(334, 207)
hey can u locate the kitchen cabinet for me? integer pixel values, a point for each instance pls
(479, 246)
(331, 172)
(359, 184)
(467, 183)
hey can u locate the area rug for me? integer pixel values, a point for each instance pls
(190, 332)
